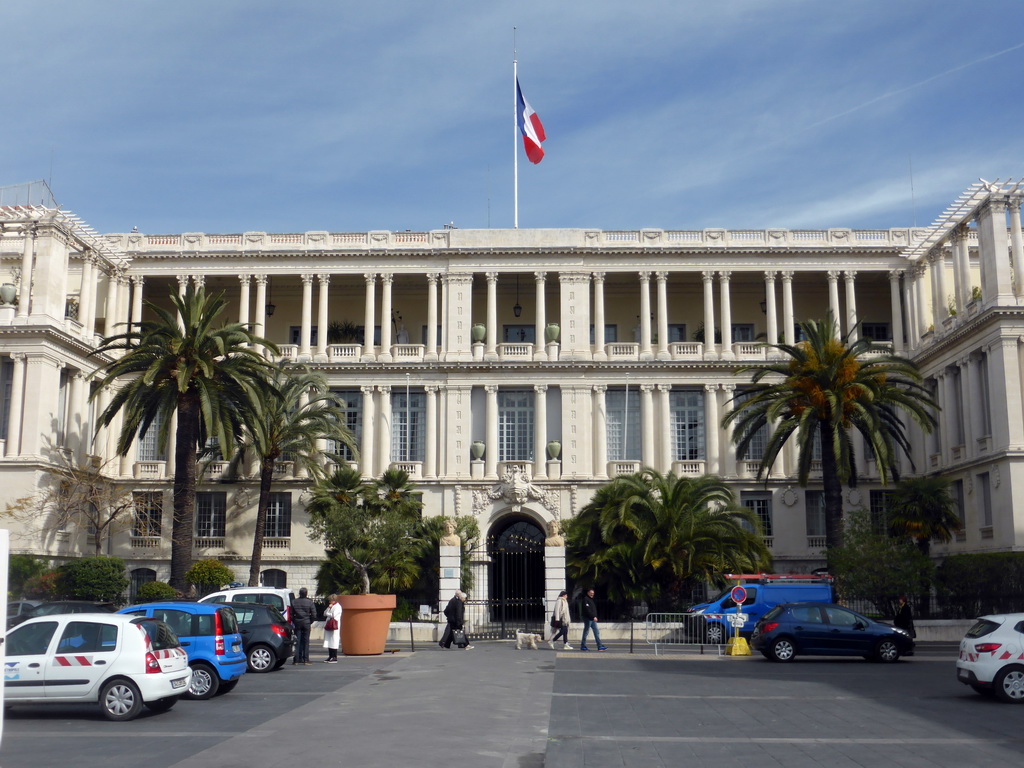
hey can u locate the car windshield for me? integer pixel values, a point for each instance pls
(228, 624)
(982, 628)
(161, 637)
(48, 609)
(773, 613)
(276, 616)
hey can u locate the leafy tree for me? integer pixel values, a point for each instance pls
(650, 536)
(875, 567)
(923, 509)
(373, 526)
(824, 389)
(22, 568)
(95, 578)
(298, 411)
(210, 377)
(45, 586)
(209, 575)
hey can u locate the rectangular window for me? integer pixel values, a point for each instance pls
(761, 504)
(211, 514)
(743, 332)
(62, 407)
(985, 500)
(676, 332)
(149, 512)
(623, 424)
(757, 444)
(361, 331)
(876, 331)
(423, 336)
(515, 425)
(958, 497)
(6, 381)
(611, 333)
(687, 425)
(149, 449)
(351, 402)
(408, 425)
(519, 334)
(279, 516)
(815, 507)
(295, 335)
(986, 403)
(880, 511)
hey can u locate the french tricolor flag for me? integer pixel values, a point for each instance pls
(530, 126)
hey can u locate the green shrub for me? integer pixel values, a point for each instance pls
(972, 585)
(22, 568)
(209, 575)
(46, 586)
(155, 591)
(95, 578)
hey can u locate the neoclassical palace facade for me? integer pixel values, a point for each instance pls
(512, 372)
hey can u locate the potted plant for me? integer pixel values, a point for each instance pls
(374, 529)
(342, 332)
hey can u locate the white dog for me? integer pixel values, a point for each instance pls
(528, 639)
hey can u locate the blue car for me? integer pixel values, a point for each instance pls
(209, 634)
(825, 629)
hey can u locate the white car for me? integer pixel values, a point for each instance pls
(279, 598)
(992, 657)
(121, 662)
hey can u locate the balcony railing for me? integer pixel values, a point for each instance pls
(517, 351)
(815, 542)
(412, 468)
(283, 469)
(150, 470)
(689, 468)
(686, 350)
(617, 468)
(407, 352)
(145, 542)
(344, 353)
(623, 351)
(277, 542)
(208, 542)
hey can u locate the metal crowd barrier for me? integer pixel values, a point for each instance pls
(681, 629)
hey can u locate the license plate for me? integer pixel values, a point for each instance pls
(179, 683)
(962, 674)
(236, 648)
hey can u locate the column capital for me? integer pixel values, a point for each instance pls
(370, 278)
(728, 387)
(456, 278)
(598, 277)
(664, 387)
(307, 278)
(646, 387)
(387, 278)
(260, 279)
(708, 275)
(540, 389)
(895, 275)
(645, 277)
(384, 389)
(786, 275)
(769, 275)
(431, 389)
(18, 356)
(366, 389)
(661, 276)
(1013, 204)
(432, 277)
(491, 389)
(710, 387)
(833, 275)
(325, 279)
(137, 280)
(724, 275)
(182, 280)
(244, 279)
(995, 204)
(492, 277)
(199, 280)
(600, 388)
(540, 277)
(850, 274)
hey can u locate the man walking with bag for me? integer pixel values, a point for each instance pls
(455, 631)
(303, 616)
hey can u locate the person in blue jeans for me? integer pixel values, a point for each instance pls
(590, 621)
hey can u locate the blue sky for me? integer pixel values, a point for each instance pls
(221, 116)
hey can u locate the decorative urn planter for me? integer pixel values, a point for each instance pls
(551, 333)
(8, 293)
(476, 449)
(554, 449)
(365, 622)
(478, 333)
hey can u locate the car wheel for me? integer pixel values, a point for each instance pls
(1009, 684)
(887, 651)
(260, 659)
(204, 683)
(715, 634)
(783, 650)
(227, 686)
(120, 700)
(162, 705)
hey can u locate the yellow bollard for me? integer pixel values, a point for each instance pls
(738, 646)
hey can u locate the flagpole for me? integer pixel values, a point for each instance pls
(515, 133)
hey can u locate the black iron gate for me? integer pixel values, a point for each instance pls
(514, 571)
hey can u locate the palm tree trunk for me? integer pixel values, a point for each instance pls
(184, 490)
(833, 492)
(266, 478)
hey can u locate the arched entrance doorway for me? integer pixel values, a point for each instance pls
(513, 570)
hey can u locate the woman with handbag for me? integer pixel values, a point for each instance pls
(560, 622)
(332, 630)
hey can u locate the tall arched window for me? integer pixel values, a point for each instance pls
(274, 577)
(139, 577)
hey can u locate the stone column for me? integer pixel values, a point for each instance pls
(539, 350)
(110, 317)
(75, 416)
(540, 431)
(647, 419)
(430, 352)
(645, 316)
(138, 281)
(123, 304)
(491, 346)
(27, 253)
(306, 328)
(727, 449)
(923, 313)
(322, 318)
(1016, 243)
(1004, 398)
(833, 299)
(728, 353)
(710, 350)
(851, 305)
(993, 250)
(369, 425)
(491, 434)
(896, 311)
(600, 432)
(387, 282)
(788, 319)
(711, 430)
(771, 312)
(430, 448)
(968, 406)
(39, 404)
(384, 433)
(600, 353)
(665, 422)
(244, 301)
(369, 317)
(260, 324)
(952, 408)
(962, 271)
(940, 436)
(87, 296)
(662, 278)
(13, 447)
(910, 303)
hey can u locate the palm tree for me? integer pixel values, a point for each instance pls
(648, 535)
(923, 509)
(828, 388)
(300, 412)
(211, 378)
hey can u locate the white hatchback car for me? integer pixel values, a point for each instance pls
(277, 597)
(992, 657)
(122, 662)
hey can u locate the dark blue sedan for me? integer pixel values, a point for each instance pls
(824, 629)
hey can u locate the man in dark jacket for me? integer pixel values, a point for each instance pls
(303, 616)
(455, 612)
(589, 613)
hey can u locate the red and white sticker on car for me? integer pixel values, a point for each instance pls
(72, 661)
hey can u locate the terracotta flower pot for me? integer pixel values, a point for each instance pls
(365, 621)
